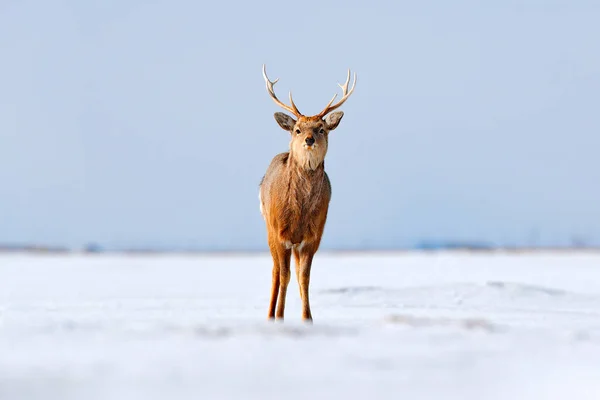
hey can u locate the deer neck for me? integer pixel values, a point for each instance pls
(306, 166)
(305, 185)
(309, 161)
(305, 190)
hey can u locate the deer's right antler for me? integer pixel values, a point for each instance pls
(345, 94)
(293, 109)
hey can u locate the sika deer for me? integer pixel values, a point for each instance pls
(294, 196)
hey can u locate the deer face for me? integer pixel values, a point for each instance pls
(309, 136)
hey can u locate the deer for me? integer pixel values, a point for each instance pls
(294, 195)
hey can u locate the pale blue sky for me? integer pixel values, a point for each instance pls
(139, 123)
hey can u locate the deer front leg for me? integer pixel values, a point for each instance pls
(297, 258)
(275, 278)
(274, 288)
(284, 278)
(306, 258)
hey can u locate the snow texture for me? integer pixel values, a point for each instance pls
(412, 326)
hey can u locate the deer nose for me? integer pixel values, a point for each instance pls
(310, 141)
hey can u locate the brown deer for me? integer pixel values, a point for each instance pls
(294, 196)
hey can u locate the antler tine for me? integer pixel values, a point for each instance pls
(329, 108)
(330, 102)
(345, 85)
(293, 109)
(298, 113)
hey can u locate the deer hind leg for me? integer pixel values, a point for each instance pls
(306, 258)
(284, 277)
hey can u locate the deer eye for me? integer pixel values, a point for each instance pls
(322, 131)
(298, 131)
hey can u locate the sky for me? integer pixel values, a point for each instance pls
(147, 123)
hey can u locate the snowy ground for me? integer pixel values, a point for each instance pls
(393, 326)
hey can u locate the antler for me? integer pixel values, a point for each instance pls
(293, 109)
(329, 108)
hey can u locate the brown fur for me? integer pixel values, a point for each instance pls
(295, 194)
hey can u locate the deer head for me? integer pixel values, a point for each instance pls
(309, 134)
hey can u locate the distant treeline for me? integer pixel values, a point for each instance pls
(421, 246)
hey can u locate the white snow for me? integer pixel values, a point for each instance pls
(387, 326)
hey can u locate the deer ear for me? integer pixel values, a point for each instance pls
(333, 120)
(285, 121)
